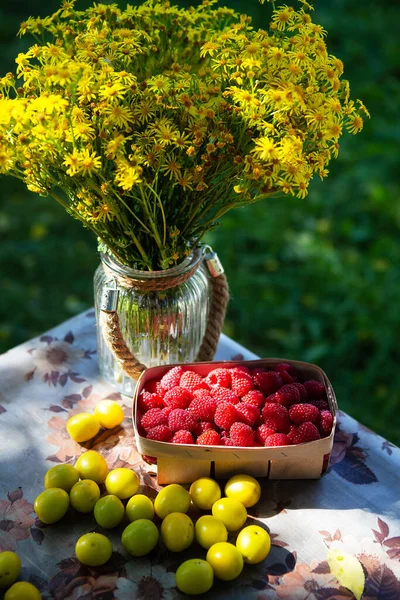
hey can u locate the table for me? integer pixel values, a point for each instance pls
(355, 506)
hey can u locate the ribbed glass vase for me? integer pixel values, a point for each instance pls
(159, 327)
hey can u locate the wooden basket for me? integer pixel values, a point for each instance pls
(183, 463)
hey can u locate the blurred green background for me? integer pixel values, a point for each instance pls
(314, 280)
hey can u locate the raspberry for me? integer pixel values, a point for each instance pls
(254, 397)
(192, 382)
(178, 397)
(151, 386)
(277, 439)
(241, 434)
(160, 390)
(263, 432)
(271, 398)
(240, 369)
(181, 419)
(277, 417)
(148, 400)
(292, 434)
(320, 404)
(325, 423)
(182, 437)
(209, 438)
(224, 395)
(220, 377)
(288, 395)
(225, 415)
(302, 390)
(306, 432)
(282, 367)
(202, 393)
(287, 372)
(300, 413)
(248, 413)
(241, 383)
(315, 389)
(171, 378)
(154, 417)
(161, 433)
(203, 426)
(226, 441)
(203, 408)
(287, 378)
(268, 381)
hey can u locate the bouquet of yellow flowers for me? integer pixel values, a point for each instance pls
(148, 124)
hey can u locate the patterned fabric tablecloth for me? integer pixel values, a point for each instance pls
(355, 506)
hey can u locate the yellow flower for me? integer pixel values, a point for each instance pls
(114, 146)
(81, 130)
(22, 61)
(52, 52)
(364, 108)
(88, 162)
(244, 97)
(185, 180)
(282, 17)
(171, 167)
(144, 110)
(72, 162)
(195, 101)
(113, 91)
(105, 212)
(62, 74)
(265, 149)
(181, 141)
(159, 83)
(332, 129)
(118, 115)
(315, 117)
(127, 176)
(290, 149)
(302, 190)
(333, 104)
(6, 160)
(354, 124)
(165, 133)
(285, 186)
(209, 48)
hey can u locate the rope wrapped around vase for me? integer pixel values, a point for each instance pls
(110, 325)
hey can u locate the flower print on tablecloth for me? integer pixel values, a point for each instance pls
(146, 581)
(388, 447)
(54, 360)
(382, 577)
(349, 460)
(390, 544)
(305, 582)
(379, 545)
(116, 445)
(75, 581)
(16, 519)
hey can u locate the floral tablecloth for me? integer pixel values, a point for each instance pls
(355, 506)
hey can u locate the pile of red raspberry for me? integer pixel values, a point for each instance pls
(234, 407)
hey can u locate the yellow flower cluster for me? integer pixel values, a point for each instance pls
(149, 123)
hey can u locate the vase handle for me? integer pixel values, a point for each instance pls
(111, 330)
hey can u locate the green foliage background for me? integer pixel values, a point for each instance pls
(314, 279)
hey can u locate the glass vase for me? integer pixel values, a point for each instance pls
(159, 327)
